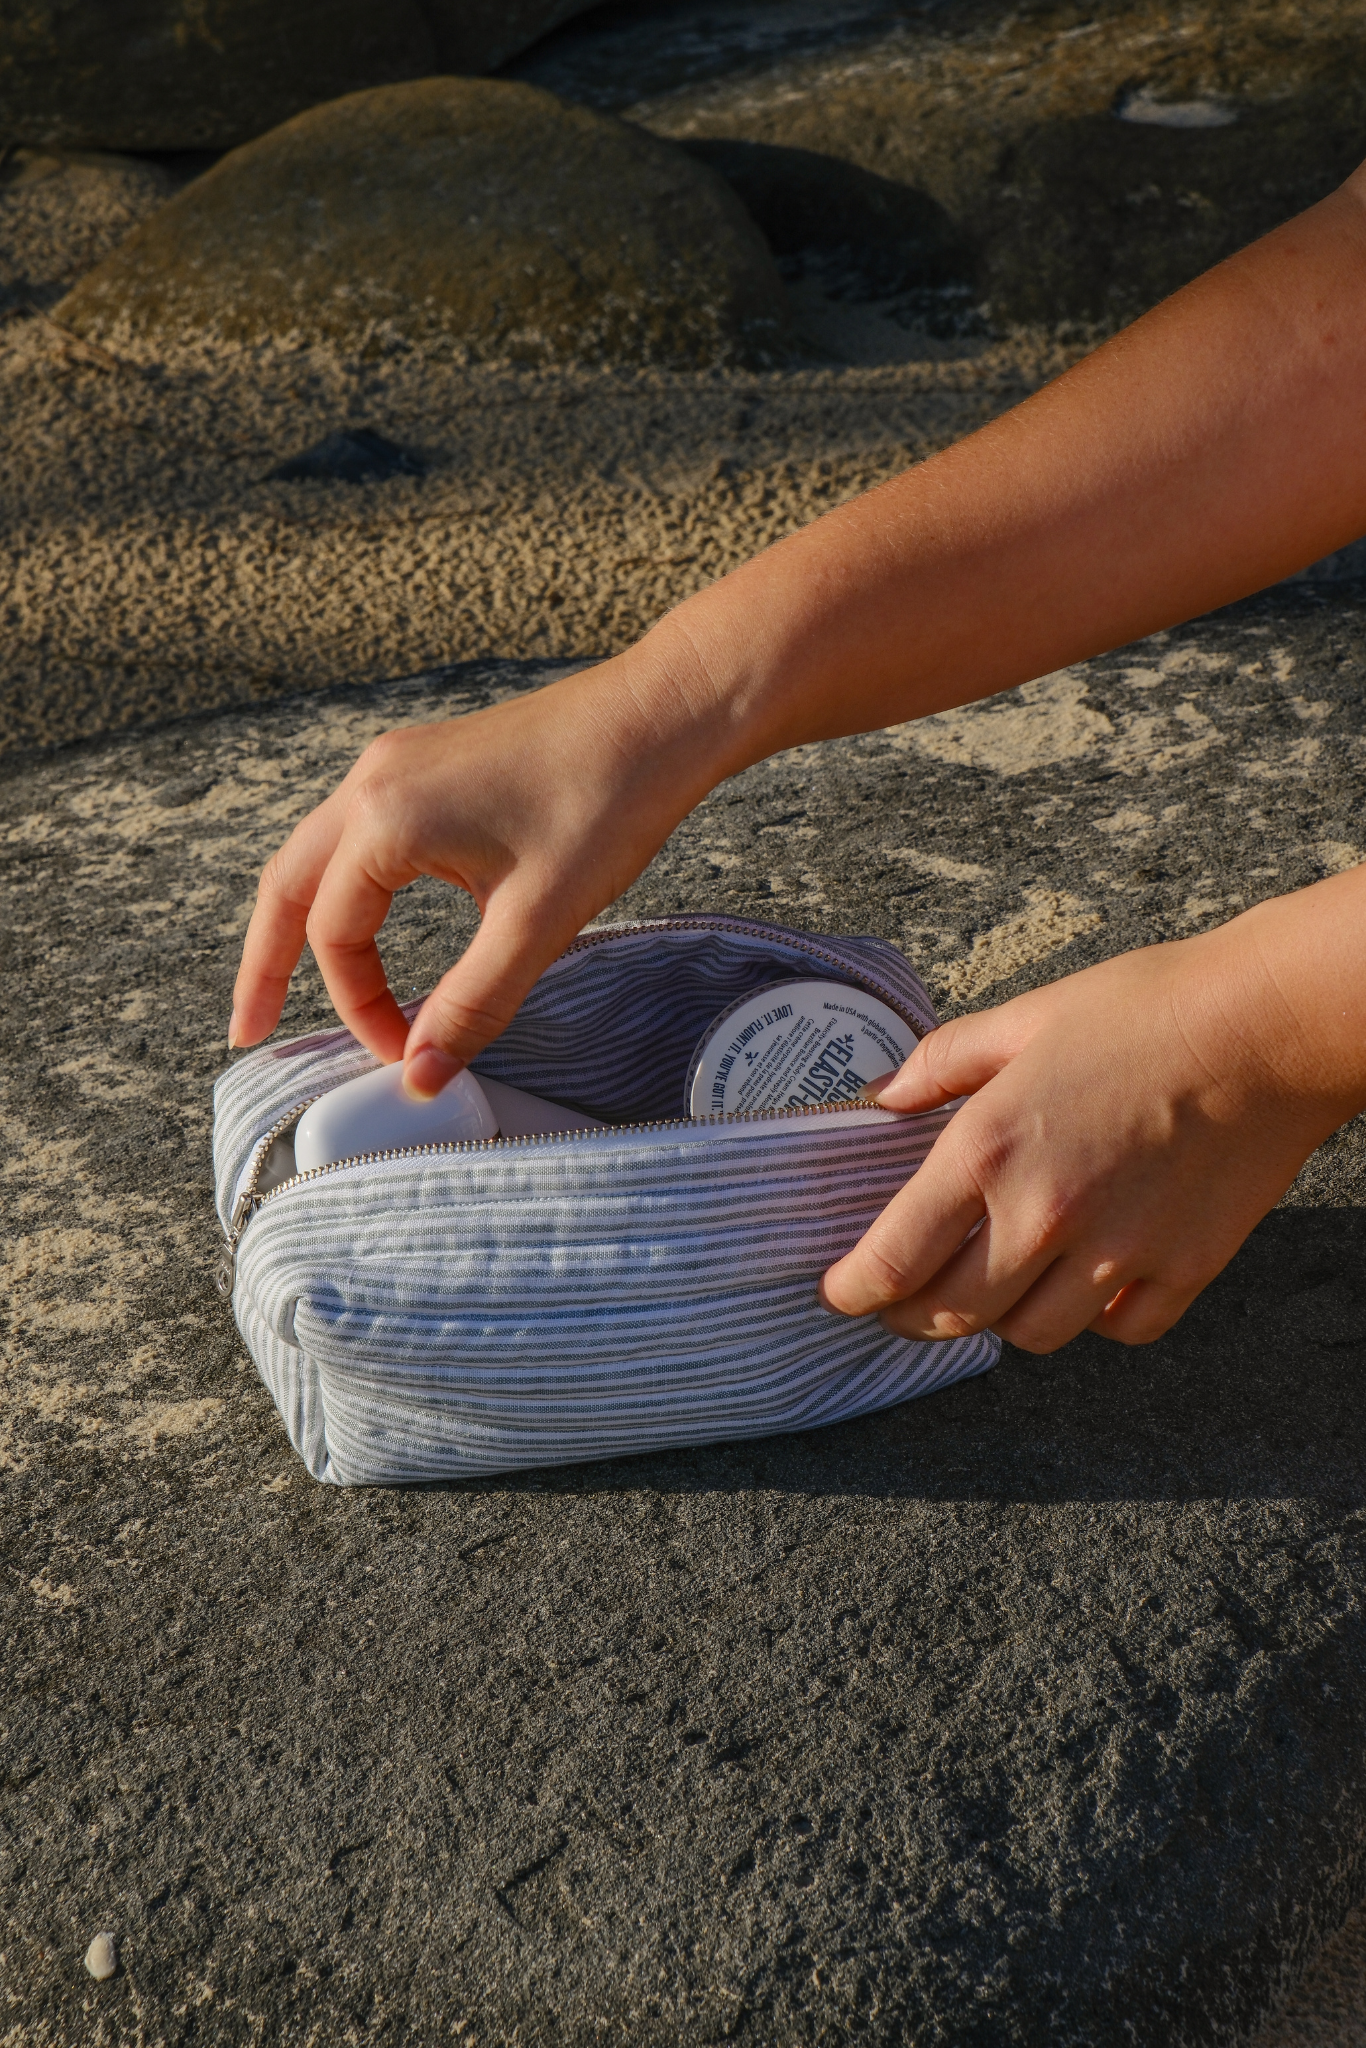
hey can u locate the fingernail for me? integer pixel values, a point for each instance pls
(232, 1031)
(427, 1073)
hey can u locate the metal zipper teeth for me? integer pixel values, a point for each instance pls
(248, 1202)
(583, 943)
(455, 1145)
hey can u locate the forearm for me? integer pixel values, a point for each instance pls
(1216, 445)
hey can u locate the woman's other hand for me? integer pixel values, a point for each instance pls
(1125, 1129)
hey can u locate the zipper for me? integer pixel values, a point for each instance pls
(249, 1201)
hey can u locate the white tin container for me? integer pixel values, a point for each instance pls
(793, 1045)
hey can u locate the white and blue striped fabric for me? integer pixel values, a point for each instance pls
(548, 1301)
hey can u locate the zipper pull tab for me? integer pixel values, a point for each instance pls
(226, 1272)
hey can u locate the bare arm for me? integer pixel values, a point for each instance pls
(1215, 445)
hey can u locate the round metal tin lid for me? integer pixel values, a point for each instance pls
(793, 1045)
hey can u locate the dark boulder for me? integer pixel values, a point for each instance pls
(208, 74)
(476, 215)
(1061, 142)
(1099, 218)
(867, 237)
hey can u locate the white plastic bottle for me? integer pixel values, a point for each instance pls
(372, 1114)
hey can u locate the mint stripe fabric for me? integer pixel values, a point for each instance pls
(551, 1302)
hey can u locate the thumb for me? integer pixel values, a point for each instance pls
(956, 1059)
(479, 997)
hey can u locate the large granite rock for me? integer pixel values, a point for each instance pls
(1035, 1711)
(1097, 218)
(1093, 158)
(480, 215)
(208, 74)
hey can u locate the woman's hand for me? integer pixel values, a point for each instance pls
(543, 808)
(1126, 1129)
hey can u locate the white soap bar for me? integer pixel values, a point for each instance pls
(372, 1114)
(794, 1045)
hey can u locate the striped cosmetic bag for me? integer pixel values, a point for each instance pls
(471, 1308)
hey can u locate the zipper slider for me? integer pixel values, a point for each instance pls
(249, 1201)
(226, 1272)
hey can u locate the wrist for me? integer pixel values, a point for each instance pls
(675, 711)
(1280, 1001)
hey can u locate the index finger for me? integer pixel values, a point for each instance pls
(279, 923)
(350, 904)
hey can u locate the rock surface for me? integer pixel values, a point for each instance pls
(147, 567)
(61, 214)
(866, 236)
(1327, 2008)
(1033, 1711)
(1011, 120)
(480, 216)
(208, 74)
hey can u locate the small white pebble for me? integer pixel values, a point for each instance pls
(102, 1957)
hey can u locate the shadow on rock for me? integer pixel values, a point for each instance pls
(867, 237)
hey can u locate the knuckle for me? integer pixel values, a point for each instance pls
(372, 806)
(1054, 1216)
(274, 876)
(318, 930)
(384, 754)
(456, 1019)
(932, 1061)
(278, 890)
(985, 1148)
(886, 1274)
(385, 784)
(1147, 1314)
(1030, 1334)
(952, 1322)
(1108, 1275)
(934, 1054)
